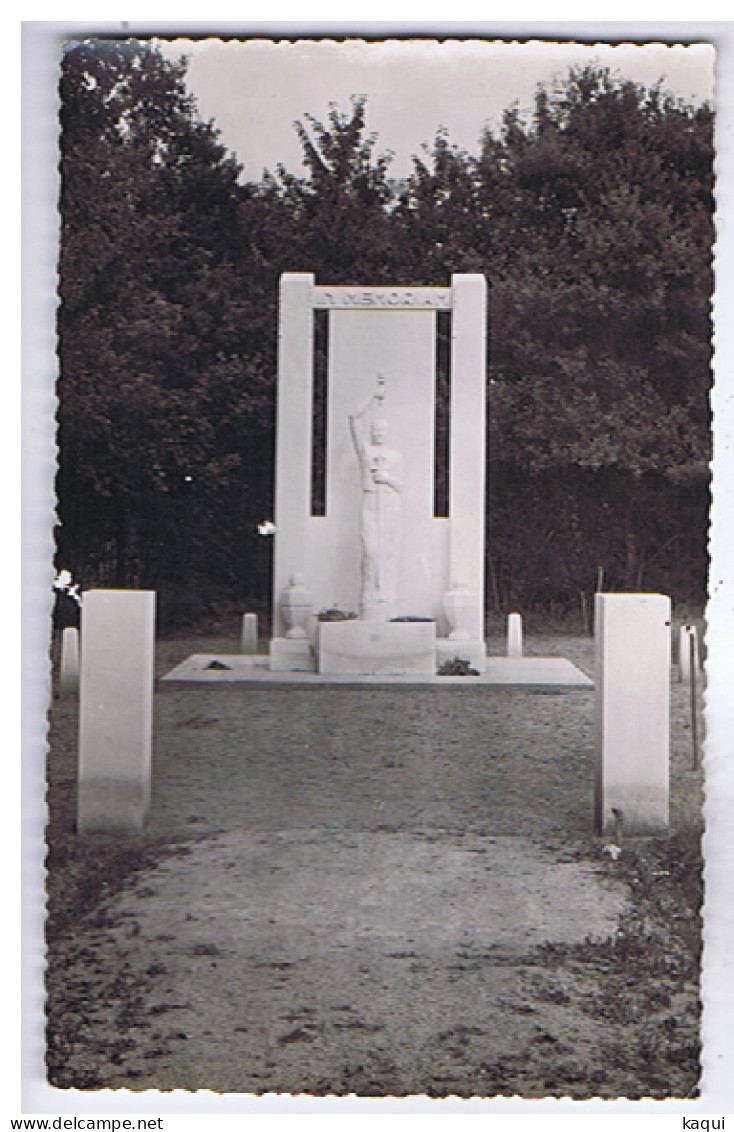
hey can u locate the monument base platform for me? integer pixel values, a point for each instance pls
(292, 655)
(471, 650)
(544, 674)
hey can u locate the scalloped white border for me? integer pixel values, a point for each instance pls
(40, 60)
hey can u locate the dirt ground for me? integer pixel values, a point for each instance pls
(375, 892)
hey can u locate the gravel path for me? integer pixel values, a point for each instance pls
(367, 894)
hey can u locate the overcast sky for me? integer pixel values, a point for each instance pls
(254, 90)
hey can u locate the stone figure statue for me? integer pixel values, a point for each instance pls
(381, 526)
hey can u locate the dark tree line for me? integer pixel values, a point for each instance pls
(592, 223)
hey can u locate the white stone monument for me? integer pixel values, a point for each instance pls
(632, 644)
(380, 550)
(116, 710)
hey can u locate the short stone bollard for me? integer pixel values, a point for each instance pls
(116, 710)
(632, 718)
(69, 666)
(684, 652)
(514, 635)
(249, 634)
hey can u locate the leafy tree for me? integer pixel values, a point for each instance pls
(601, 345)
(610, 281)
(592, 221)
(163, 386)
(338, 216)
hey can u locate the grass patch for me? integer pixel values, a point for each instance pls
(646, 977)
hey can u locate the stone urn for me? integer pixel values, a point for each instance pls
(459, 607)
(296, 606)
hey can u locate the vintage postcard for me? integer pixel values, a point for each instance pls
(382, 726)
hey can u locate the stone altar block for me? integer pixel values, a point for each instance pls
(388, 333)
(632, 644)
(373, 648)
(116, 710)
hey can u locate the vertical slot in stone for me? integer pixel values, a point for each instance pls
(442, 423)
(319, 413)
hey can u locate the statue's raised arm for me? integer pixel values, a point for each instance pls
(359, 437)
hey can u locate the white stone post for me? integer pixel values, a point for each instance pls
(684, 652)
(69, 666)
(514, 634)
(467, 460)
(116, 710)
(632, 645)
(249, 634)
(293, 432)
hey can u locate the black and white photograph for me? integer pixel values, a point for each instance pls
(376, 752)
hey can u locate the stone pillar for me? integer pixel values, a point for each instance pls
(69, 666)
(467, 459)
(514, 634)
(249, 634)
(293, 432)
(684, 652)
(116, 710)
(632, 644)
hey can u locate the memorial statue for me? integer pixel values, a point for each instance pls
(381, 525)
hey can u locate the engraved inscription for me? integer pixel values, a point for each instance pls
(382, 298)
